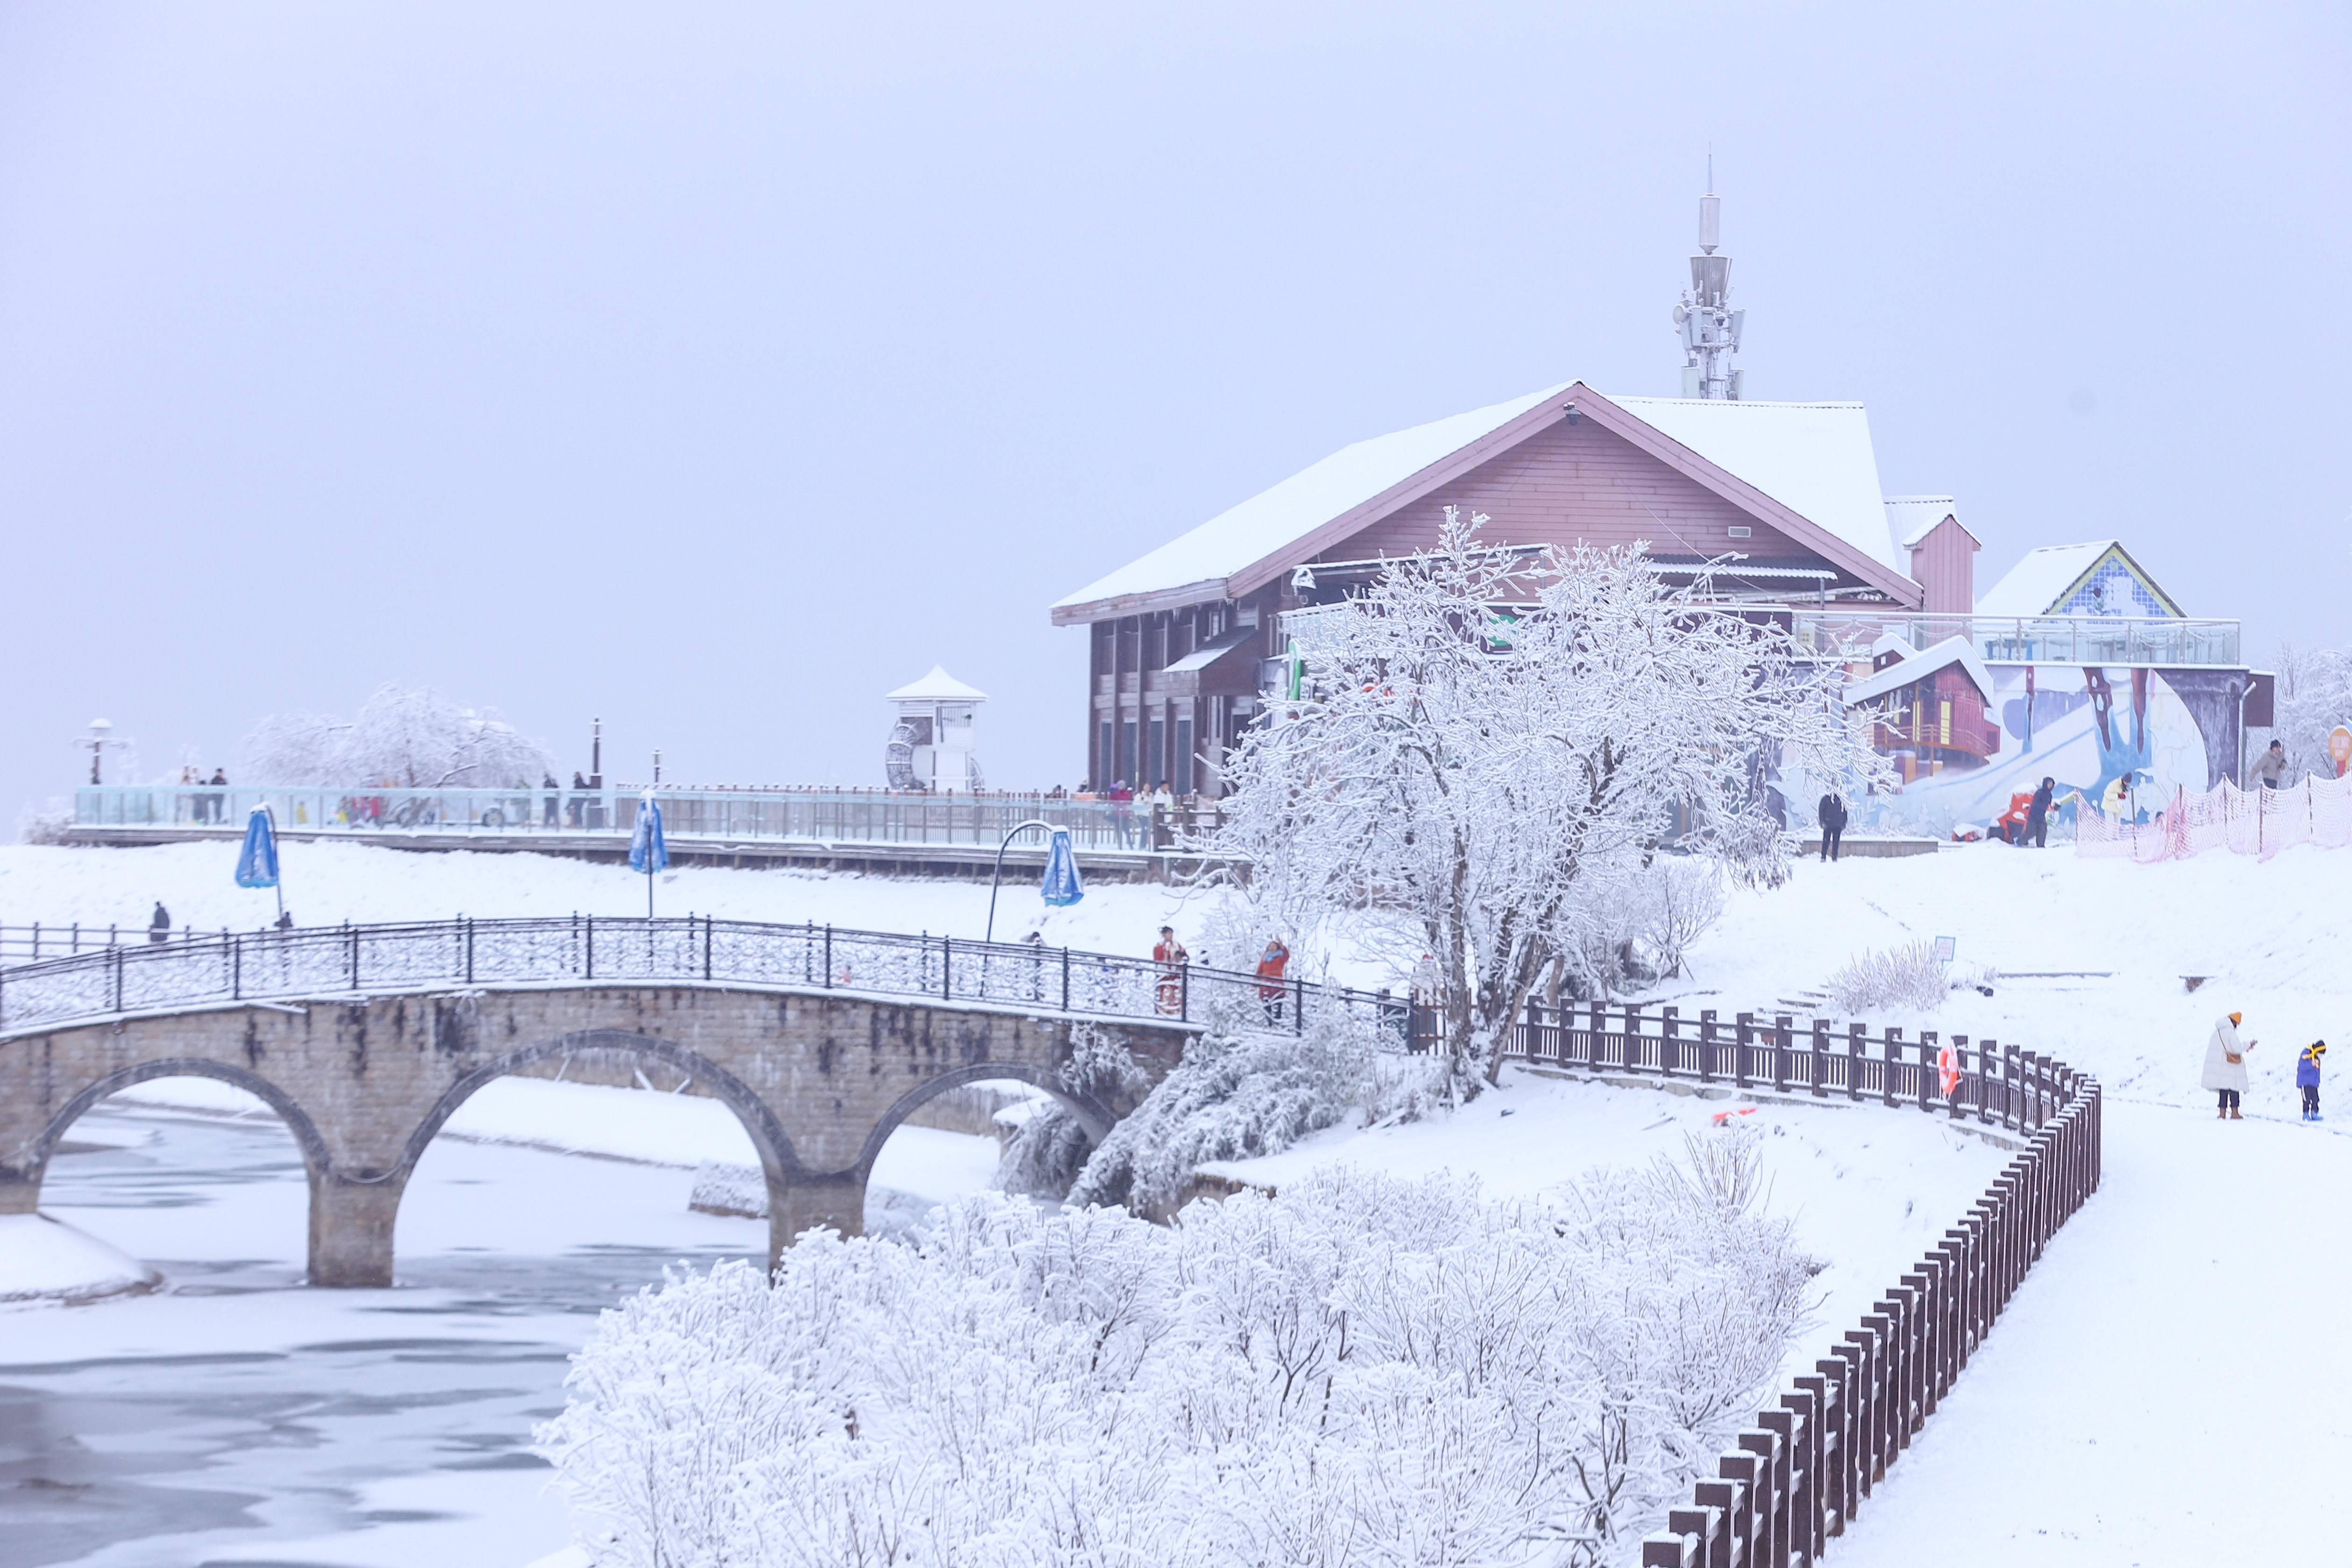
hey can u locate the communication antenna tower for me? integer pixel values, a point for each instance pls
(1710, 328)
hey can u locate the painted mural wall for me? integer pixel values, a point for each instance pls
(2125, 738)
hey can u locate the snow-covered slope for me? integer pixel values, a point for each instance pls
(45, 1259)
(2112, 942)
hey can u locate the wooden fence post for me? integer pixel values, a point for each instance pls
(1706, 1027)
(1780, 1054)
(1742, 1039)
(1893, 1063)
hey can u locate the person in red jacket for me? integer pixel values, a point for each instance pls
(1171, 957)
(1270, 988)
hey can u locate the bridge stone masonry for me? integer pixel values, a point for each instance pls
(818, 1059)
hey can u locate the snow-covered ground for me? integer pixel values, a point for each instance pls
(327, 884)
(2167, 1388)
(44, 1260)
(2271, 940)
(1867, 1189)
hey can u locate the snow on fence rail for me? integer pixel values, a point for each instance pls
(1982, 1081)
(1801, 1472)
(2244, 821)
(818, 815)
(192, 970)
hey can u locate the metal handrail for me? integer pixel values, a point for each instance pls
(188, 970)
(690, 816)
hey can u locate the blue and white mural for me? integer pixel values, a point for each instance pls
(2124, 738)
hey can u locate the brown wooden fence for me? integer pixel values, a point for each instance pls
(1800, 1473)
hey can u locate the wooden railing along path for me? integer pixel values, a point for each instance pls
(1797, 1476)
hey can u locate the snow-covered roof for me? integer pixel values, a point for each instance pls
(1814, 458)
(1270, 519)
(2035, 585)
(937, 686)
(1911, 518)
(1918, 666)
(1208, 653)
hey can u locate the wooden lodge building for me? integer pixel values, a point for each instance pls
(1186, 643)
(2076, 665)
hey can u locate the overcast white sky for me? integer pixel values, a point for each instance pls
(716, 368)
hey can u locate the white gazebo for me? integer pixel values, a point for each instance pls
(932, 742)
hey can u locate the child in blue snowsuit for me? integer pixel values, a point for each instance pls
(2306, 1077)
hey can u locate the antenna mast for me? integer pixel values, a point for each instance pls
(1710, 328)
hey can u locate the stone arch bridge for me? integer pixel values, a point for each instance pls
(365, 1040)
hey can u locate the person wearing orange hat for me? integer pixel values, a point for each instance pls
(2225, 1065)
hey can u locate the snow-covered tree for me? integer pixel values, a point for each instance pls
(1490, 749)
(407, 736)
(2313, 694)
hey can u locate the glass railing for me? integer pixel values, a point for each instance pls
(2032, 640)
(859, 816)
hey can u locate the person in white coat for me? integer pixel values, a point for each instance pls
(2225, 1064)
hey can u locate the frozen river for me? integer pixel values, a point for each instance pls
(239, 1417)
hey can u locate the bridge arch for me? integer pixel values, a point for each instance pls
(1091, 1113)
(315, 1158)
(778, 1159)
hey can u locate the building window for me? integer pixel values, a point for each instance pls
(1156, 749)
(1103, 758)
(1125, 770)
(1741, 531)
(1183, 770)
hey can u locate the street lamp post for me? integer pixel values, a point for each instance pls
(999, 874)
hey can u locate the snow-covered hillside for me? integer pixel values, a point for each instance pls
(2117, 940)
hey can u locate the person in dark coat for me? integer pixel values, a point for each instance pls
(158, 929)
(1831, 810)
(554, 800)
(2306, 1077)
(2037, 815)
(579, 797)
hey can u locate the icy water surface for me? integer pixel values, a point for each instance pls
(239, 1417)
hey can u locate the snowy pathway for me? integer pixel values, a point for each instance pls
(2170, 1385)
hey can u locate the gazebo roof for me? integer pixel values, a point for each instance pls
(937, 686)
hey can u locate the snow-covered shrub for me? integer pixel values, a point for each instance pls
(1234, 1095)
(1682, 896)
(1359, 1370)
(1044, 1154)
(49, 825)
(1906, 978)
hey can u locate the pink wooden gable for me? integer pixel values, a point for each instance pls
(1607, 478)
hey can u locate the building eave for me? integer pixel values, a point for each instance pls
(1208, 590)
